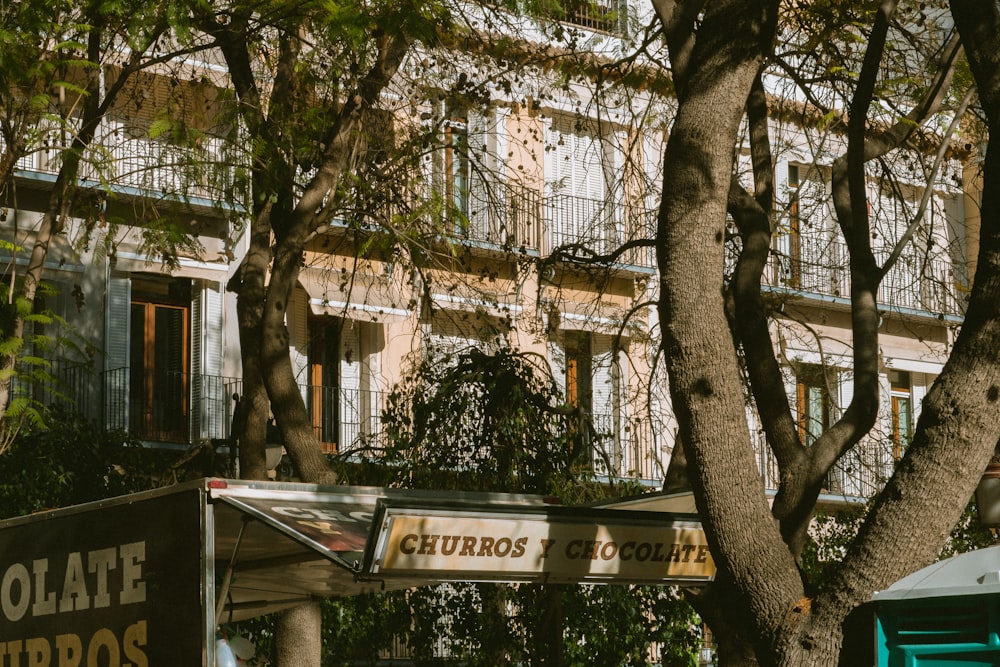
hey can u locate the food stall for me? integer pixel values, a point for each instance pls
(152, 576)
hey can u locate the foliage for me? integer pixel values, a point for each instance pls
(34, 376)
(495, 421)
(834, 531)
(74, 461)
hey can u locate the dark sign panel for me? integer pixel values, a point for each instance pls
(109, 588)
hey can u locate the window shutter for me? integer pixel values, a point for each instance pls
(604, 407)
(197, 361)
(918, 388)
(844, 391)
(297, 321)
(209, 409)
(483, 190)
(116, 357)
(557, 356)
(349, 394)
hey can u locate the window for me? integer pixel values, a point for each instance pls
(810, 255)
(579, 371)
(901, 399)
(583, 166)
(606, 16)
(456, 165)
(324, 380)
(793, 272)
(813, 402)
(815, 389)
(340, 377)
(159, 359)
(450, 170)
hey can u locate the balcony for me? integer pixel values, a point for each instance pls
(139, 165)
(600, 226)
(515, 217)
(147, 165)
(345, 421)
(859, 474)
(625, 449)
(169, 407)
(598, 16)
(180, 409)
(917, 282)
(501, 215)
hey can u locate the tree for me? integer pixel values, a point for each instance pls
(314, 84)
(759, 604)
(306, 76)
(494, 420)
(66, 65)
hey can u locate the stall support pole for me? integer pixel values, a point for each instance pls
(220, 604)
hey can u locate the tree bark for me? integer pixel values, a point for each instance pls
(250, 428)
(298, 636)
(703, 370)
(960, 421)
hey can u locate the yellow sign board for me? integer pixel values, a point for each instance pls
(514, 545)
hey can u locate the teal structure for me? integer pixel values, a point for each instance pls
(945, 615)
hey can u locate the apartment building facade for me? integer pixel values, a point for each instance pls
(530, 184)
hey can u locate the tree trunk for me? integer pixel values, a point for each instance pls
(279, 377)
(702, 365)
(298, 636)
(250, 428)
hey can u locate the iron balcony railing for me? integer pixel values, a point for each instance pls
(860, 473)
(172, 407)
(504, 215)
(583, 227)
(60, 384)
(608, 16)
(817, 265)
(183, 408)
(345, 421)
(514, 216)
(622, 448)
(120, 158)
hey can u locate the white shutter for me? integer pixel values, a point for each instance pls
(602, 383)
(920, 383)
(116, 354)
(197, 372)
(557, 360)
(350, 356)
(844, 391)
(576, 164)
(214, 297)
(209, 412)
(370, 341)
(446, 336)
(350, 383)
(604, 407)
(483, 187)
(297, 321)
